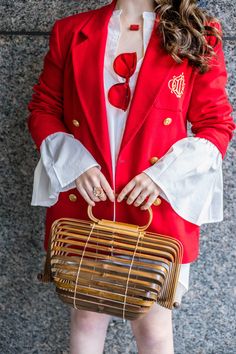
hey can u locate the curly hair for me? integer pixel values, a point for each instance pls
(187, 31)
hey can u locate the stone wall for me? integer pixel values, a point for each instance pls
(33, 319)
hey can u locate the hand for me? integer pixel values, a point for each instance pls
(93, 177)
(142, 186)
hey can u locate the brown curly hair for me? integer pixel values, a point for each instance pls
(187, 31)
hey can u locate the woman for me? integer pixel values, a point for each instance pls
(99, 140)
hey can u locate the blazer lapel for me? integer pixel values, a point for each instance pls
(153, 74)
(88, 63)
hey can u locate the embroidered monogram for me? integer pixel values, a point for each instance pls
(177, 84)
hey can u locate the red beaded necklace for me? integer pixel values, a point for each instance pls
(134, 27)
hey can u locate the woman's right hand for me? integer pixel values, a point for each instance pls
(93, 177)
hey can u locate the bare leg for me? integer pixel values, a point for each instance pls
(153, 332)
(87, 331)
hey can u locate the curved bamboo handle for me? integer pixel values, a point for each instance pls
(142, 228)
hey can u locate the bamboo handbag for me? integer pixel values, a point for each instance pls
(112, 267)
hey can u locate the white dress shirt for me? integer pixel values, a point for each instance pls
(189, 174)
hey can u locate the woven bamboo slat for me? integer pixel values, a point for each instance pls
(112, 267)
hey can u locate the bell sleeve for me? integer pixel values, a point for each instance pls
(190, 178)
(62, 159)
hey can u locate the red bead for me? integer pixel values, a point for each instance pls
(134, 27)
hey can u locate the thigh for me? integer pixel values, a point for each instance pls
(89, 319)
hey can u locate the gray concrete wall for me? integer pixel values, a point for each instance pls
(33, 319)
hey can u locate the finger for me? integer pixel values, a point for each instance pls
(150, 201)
(136, 192)
(142, 196)
(126, 190)
(103, 196)
(89, 189)
(106, 187)
(85, 195)
(94, 181)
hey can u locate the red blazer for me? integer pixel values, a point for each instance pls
(69, 97)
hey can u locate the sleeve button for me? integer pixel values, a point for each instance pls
(153, 159)
(72, 197)
(167, 121)
(75, 122)
(157, 201)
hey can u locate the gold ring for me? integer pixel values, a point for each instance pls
(97, 191)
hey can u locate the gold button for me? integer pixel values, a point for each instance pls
(75, 122)
(157, 201)
(153, 159)
(167, 121)
(72, 197)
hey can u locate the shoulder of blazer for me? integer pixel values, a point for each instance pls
(67, 26)
(212, 41)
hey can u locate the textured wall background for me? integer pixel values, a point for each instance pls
(33, 319)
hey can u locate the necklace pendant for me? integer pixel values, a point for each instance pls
(134, 27)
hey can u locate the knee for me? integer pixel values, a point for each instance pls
(150, 334)
(150, 337)
(88, 321)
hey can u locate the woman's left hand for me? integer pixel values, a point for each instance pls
(142, 186)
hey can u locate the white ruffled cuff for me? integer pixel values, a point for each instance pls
(191, 180)
(63, 159)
